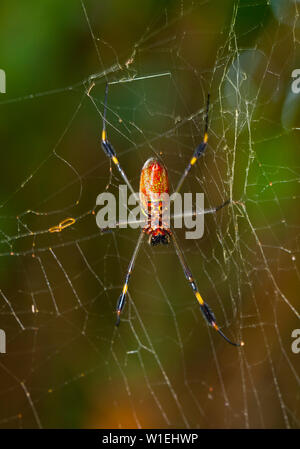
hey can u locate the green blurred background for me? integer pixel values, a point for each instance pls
(66, 364)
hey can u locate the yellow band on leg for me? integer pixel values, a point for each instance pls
(199, 298)
(115, 160)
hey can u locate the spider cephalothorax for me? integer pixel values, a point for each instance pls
(159, 236)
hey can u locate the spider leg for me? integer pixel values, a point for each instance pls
(207, 312)
(202, 212)
(108, 148)
(123, 224)
(198, 151)
(122, 298)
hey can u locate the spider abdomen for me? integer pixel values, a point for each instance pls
(154, 198)
(154, 182)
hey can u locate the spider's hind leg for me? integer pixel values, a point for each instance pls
(205, 309)
(122, 297)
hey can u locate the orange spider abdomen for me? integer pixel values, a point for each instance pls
(154, 199)
(154, 182)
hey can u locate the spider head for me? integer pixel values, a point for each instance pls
(159, 236)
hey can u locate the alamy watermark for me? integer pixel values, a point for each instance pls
(2, 342)
(2, 81)
(296, 343)
(162, 210)
(296, 82)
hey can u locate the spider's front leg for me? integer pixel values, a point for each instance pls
(198, 151)
(108, 148)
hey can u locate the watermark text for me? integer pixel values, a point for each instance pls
(2, 342)
(296, 343)
(161, 210)
(2, 81)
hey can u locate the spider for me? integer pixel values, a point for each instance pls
(153, 179)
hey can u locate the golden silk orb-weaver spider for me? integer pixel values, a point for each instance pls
(153, 180)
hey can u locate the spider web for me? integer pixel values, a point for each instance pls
(66, 364)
